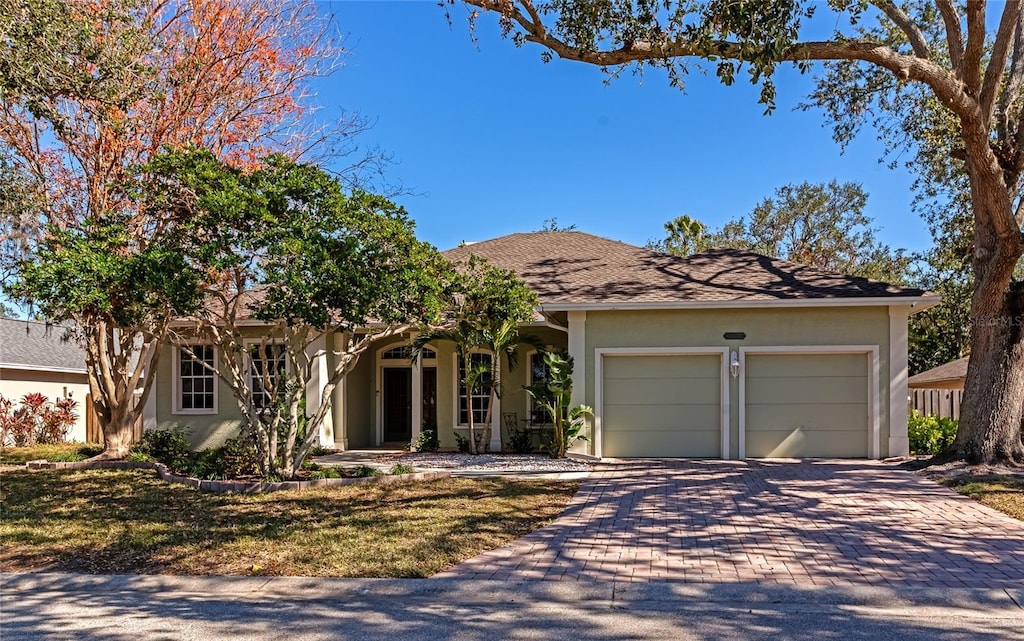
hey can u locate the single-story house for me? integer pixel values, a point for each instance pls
(723, 354)
(940, 390)
(35, 358)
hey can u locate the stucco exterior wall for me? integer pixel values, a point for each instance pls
(805, 326)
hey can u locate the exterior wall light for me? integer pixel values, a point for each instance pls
(734, 364)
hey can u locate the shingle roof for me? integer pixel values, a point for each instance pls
(952, 371)
(574, 268)
(27, 344)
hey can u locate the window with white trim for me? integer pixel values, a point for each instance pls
(539, 374)
(481, 393)
(196, 380)
(266, 363)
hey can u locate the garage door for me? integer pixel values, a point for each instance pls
(806, 405)
(662, 406)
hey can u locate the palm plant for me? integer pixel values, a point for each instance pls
(555, 396)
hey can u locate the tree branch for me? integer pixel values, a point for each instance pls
(975, 45)
(1010, 93)
(954, 35)
(947, 87)
(903, 21)
(997, 61)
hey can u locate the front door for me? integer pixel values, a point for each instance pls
(397, 404)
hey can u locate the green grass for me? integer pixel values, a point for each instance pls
(54, 453)
(1003, 493)
(129, 521)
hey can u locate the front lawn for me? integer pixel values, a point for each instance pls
(1003, 493)
(129, 521)
(53, 453)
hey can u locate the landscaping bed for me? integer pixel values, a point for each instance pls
(507, 462)
(1000, 487)
(130, 521)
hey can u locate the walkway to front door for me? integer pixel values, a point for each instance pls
(810, 523)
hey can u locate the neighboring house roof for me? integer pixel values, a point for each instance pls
(954, 371)
(38, 346)
(571, 269)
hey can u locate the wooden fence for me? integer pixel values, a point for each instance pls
(938, 402)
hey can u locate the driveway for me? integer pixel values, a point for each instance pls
(807, 523)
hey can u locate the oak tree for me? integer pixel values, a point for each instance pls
(971, 67)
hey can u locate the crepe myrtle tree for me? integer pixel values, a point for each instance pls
(883, 60)
(93, 90)
(291, 249)
(484, 308)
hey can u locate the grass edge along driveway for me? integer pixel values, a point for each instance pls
(129, 521)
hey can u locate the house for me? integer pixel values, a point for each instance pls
(940, 390)
(724, 354)
(36, 358)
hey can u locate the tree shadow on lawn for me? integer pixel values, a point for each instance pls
(104, 608)
(116, 521)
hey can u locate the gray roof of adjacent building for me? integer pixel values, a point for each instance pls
(38, 346)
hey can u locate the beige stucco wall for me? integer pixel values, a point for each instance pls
(16, 383)
(763, 327)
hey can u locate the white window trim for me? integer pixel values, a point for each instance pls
(612, 352)
(176, 408)
(248, 344)
(455, 394)
(873, 375)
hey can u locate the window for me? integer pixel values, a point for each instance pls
(481, 393)
(402, 351)
(196, 380)
(539, 372)
(267, 361)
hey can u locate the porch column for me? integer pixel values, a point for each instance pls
(417, 397)
(495, 443)
(339, 407)
(899, 443)
(578, 351)
(317, 352)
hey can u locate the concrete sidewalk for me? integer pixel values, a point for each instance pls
(87, 607)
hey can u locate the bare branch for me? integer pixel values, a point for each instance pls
(1010, 93)
(903, 21)
(954, 35)
(997, 61)
(975, 45)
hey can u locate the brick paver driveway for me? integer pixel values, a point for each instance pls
(813, 522)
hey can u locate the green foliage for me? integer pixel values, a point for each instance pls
(463, 443)
(555, 396)
(399, 469)
(170, 446)
(365, 471)
(427, 441)
(551, 224)
(236, 458)
(823, 225)
(520, 441)
(930, 434)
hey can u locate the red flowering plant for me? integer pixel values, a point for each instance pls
(36, 420)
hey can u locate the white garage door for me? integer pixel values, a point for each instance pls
(662, 406)
(807, 405)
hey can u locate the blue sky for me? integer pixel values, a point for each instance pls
(489, 140)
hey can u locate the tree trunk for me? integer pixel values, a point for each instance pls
(990, 418)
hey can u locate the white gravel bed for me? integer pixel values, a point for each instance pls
(509, 462)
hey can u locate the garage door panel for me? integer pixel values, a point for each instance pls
(661, 417)
(806, 405)
(653, 391)
(834, 417)
(661, 406)
(810, 365)
(798, 443)
(700, 444)
(831, 390)
(658, 367)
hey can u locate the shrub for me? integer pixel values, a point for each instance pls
(401, 469)
(364, 471)
(320, 450)
(463, 442)
(169, 447)
(930, 434)
(427, 441)
(520, 442)
(325, 473)
(36, 420)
